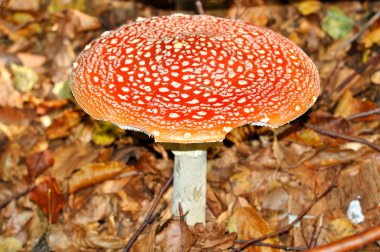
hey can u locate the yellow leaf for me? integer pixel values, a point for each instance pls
(10, 244)
(372, 37)
(309, 7)
(340, 228)
(248, 224)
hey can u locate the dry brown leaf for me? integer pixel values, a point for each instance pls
(212, 237)
(166, 237)
(37, 163)
(248, 224)
(87, 238)
(213, 202)
(375, 78)
(9, 96)
(94, 173)
(21, 5)
(276, 199)
(45, 106)
(61, 126)
(49, 197)
(70, 157)
(349, 105)
(340, 228)
(242, 182)
(31, 60)
(84, 22)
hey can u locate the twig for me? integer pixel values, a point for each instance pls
(148, 217)
(316, 232)
(299, 218)
(364, 114)
(199, 6)
(181, 219)
(352, 242)
(277, 246)
(345, 137)
(283, 247)
(361, 69)
(16, 196)
(360, 32)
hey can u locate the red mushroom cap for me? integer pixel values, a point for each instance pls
(187, 79)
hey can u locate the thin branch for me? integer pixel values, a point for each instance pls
(316, 232)
(364, 114)
(361, 69)
(342, 136)
(352, 242)
(283, 247)
(148, 218)
(277, 246)
(199, 6)
(16, 196)
(285, 229)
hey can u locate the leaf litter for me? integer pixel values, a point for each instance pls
(70, 183)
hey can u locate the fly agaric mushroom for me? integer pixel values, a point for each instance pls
(191, 79)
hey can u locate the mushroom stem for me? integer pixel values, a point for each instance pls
(189, 184)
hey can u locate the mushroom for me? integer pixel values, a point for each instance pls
(189, 80)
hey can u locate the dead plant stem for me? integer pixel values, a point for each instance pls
(342, 136)
(148, 217)
(351, 243)
(285, 229)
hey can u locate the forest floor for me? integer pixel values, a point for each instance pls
(71, 183)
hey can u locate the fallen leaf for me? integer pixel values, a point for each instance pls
(10, 244)
(213, 202)
(21, 5)
(340, 228)
(86, 238)
(61, 126)
(49, 197)
(62, 90)
(371, 38)
(375, 77)
(24, 78)
(9, 96)
(82, 21)
(94, 173)
(242, 182)
(336, 23)
(45, 106)
(105, 133)
(309, 7)
(212, 237)
(276, 199)
(37, 163)
(167, 237)
(248, 224)
(31, 60)
(349, 105)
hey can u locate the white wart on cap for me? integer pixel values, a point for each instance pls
(186, 79)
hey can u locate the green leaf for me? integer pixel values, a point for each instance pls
(105, 133)
(62, 90)
(337, 24)
(23, 78)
